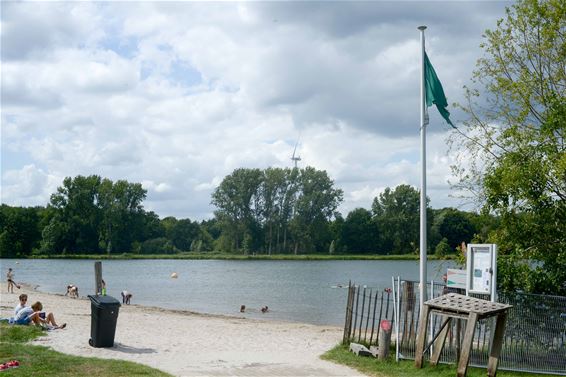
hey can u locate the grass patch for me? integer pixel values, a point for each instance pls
(18, 334)
(405, 368)
(42, 361)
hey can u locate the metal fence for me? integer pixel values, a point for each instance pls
(365, 309)
(535, 333)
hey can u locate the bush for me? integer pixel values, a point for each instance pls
(158, 246)
(442, 248)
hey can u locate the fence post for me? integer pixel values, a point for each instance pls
(362, 315)
(368, 315)
(355, 314)
(373, 319)
(384, 339)
(348, 319)
(431, 332)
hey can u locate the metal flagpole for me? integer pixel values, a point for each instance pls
(424, 122)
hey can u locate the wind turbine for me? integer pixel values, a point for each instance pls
(295, 158)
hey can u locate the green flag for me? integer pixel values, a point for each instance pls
(434, 91)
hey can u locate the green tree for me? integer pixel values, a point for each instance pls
(454, 226)
(275, 188)
(359, 232)
(397, 215)
(443, 248)
(123, 216)
(273, 209)
(91, 214)
(76, 217)
(20, 231)
(238, 199)
(512, 144)
(184, 233)
(336, 229)
(315, 205)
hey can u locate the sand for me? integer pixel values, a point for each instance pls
(190, 344)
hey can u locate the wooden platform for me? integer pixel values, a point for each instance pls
(453, 305)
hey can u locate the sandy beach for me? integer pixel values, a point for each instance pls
(190, 344)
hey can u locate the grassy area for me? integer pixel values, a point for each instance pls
(405, 368)
(225, 256)
(42, 361)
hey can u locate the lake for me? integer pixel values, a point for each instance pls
(298, 291)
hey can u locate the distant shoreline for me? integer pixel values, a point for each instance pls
(217, 256)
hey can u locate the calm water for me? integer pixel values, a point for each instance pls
(299, 291)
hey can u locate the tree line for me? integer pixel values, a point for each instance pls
(271, 211)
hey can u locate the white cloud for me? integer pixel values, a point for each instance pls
(28, 186)
(178, 95)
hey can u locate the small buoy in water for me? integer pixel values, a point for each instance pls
(17, 262)
(174, 275)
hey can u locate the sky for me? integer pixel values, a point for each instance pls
(177, 95)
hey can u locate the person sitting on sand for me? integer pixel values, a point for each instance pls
(22, 304)
(72, 291)
(11, 282)
(28, 314)
(126, 296)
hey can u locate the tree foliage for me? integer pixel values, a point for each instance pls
(20, 230)
(514, 156)
(397, 214)
(359, 232)
(275, 209)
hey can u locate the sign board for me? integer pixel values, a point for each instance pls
(482, 269)
(456, 278)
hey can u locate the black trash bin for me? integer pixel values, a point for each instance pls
(104, 314)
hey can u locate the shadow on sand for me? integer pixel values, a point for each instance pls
(129, 349)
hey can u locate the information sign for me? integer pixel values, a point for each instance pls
(482, 269)
(456, 278)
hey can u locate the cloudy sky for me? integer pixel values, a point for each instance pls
(176, 95)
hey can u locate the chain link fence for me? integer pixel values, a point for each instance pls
(535, 332)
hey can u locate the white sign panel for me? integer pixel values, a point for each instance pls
(456, 278)
(482, 266)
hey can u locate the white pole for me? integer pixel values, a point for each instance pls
(422, 244)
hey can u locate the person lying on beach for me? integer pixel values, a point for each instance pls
(126, 296)
(72, 291)
(22, 304)
(34, 314)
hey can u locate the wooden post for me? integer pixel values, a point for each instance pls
(362, 315)
(439, 343)
(421, 337)
(458, 338)
(496, 345)
(368, 315)
(348, 319)
(384, 339)
(97, 277)
(467, 344)
(373, 319)
(357, 289)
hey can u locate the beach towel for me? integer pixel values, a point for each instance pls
(9, 365)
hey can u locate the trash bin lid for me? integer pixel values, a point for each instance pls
(103, 301)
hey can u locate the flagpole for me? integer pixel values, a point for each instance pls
(422, 244)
